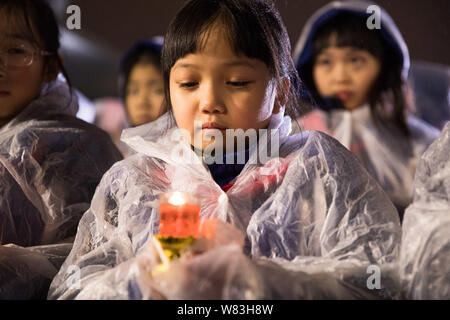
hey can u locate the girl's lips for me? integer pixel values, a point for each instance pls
(211, 131)
(144, 119)
(344, 95)
(212, 125)
(212, 128)
(4, 93)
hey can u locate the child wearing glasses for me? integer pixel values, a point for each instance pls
(50, 161)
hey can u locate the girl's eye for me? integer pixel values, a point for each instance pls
(159, 91)
(324, 62)
(132, 92)
(16, 51)
(357, 60)
(188, 85)
(238, 83)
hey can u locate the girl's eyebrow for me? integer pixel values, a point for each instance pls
(240, 63)
(185, 65)
(151, 82)
(18, 36)
(237, 63)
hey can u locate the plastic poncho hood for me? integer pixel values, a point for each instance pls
(389, 31)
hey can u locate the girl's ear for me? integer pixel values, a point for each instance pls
(282, 95)
(52, 69)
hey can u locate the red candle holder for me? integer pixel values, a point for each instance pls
(179, 215)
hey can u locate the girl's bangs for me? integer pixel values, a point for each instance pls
(348, 30)
(17, 22)
(243, 35)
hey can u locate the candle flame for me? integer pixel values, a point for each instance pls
(177, 199)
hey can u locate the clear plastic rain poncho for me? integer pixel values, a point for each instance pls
(425, 251)
(26, 273)
(50, 165)
(307, 224)
(389, 156)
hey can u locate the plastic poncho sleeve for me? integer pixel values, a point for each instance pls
(49, 173)
(331, 233)
(26, 273)
(109, 236)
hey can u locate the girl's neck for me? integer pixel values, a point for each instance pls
(361, 106)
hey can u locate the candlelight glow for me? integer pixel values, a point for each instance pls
(177, 199)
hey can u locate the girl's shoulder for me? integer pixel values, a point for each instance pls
(421, 132)
(137, 166)
(56, 124)
(58, 128)
(314, 120)
(435, 159)
(314, 144)
(61, 137)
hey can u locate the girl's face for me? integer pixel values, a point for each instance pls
(346, 73)
(221, 90)
(18, 85)
(144, 94)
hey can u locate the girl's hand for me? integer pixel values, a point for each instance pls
(223, 272)
(210, 269)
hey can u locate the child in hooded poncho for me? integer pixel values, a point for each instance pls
(357, 72)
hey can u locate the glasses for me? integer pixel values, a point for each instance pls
(20, 56)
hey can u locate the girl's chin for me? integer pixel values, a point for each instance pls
(353, 106)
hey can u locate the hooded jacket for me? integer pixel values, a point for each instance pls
(389, 156)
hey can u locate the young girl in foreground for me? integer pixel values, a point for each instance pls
(311, 219)
(357, 76)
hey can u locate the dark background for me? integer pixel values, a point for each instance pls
(110, 27)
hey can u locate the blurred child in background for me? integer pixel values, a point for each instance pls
(357, 77)
(141, 83)
(141, 89)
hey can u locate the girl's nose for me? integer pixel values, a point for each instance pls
(211, 101)
(144, 97)
(340, 73)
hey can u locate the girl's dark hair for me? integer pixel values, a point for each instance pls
(351, 31)
(145, 51)
(40, 25)
(253, 27)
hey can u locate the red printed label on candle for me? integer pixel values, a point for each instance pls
(179, 220)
